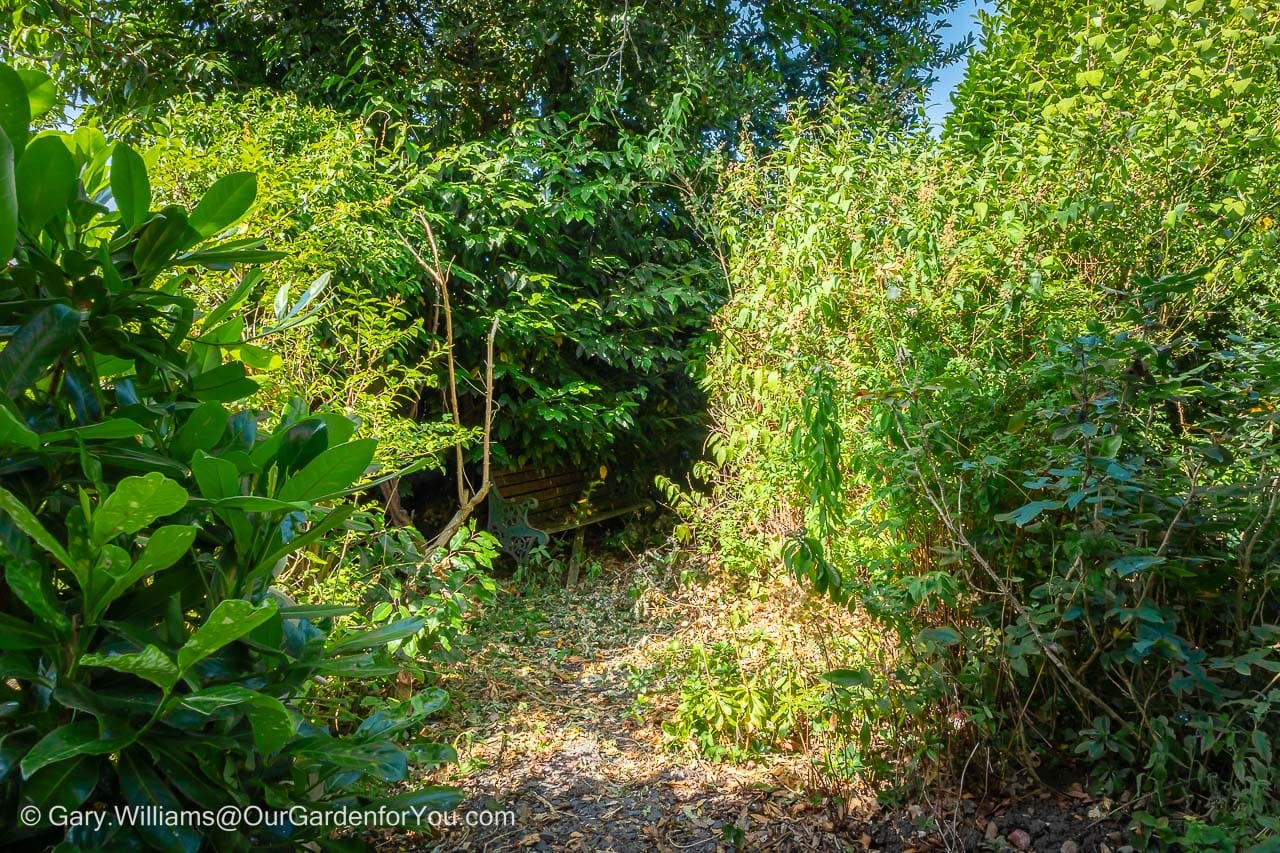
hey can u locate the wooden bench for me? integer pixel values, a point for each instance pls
(527, 506)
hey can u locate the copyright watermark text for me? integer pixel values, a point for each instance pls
(233, 818)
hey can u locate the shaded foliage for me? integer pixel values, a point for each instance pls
(465, 69)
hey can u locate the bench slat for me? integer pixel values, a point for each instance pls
(543, 487)
(600, 516)
(553, 513)
(547, 496)
(520, 473)
(526, 505)
(533, 475)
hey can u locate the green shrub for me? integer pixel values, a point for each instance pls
(387, 574)
(1013, 394)
(570, 232)
(731, 709)
(331, 202)
(146, 658)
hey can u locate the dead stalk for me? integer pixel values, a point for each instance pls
(468, 498)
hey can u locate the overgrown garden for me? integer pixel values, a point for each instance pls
(287, 285)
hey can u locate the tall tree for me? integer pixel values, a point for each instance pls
(557, 149)
(461, 68)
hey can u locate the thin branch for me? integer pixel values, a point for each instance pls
(958, 533)
(468, 506)
(441, 277)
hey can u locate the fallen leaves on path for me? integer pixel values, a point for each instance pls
(549, 733)
(548, 729)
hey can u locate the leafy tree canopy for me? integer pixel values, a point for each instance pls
(467, 67)
(559, 151)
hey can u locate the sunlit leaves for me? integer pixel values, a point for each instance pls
(46, 180)
(130, 185)
(135, 503)
(224, 203)
(15, 109)
(142, 651)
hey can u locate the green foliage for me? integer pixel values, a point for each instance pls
(759, 689)
(596, 347)
(388, 576)
(579, 246)
(324, 199)
(557, 151)
(465, 70)
(147, 658)
(1052, 342)
(729, 711)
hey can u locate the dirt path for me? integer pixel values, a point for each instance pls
(552, 732)
(548, 729)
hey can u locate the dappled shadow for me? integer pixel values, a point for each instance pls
(576, 801)
(549, 730)
(595, 777)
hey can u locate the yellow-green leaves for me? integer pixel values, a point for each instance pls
(1175, 213)
(15, 108)
(135, 503)
(14, 433)
(42, 94)
(331, 471)
(150, 664)
(224, 203)
(229, 621)
(25, 95)
(46, 181)
(1088, 79)
(8, 199)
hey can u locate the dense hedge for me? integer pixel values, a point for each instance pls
(1014, 394)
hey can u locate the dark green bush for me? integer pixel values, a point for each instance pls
(144, 657)
(578, 237)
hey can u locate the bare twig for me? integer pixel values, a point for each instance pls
(463, 485)
(468, 506)
(1246, 551)
(440, 275)
(1177, 516)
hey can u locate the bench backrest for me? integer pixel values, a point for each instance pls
(557, 492)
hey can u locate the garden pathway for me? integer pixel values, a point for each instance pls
(548, 727)
(553, 732)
